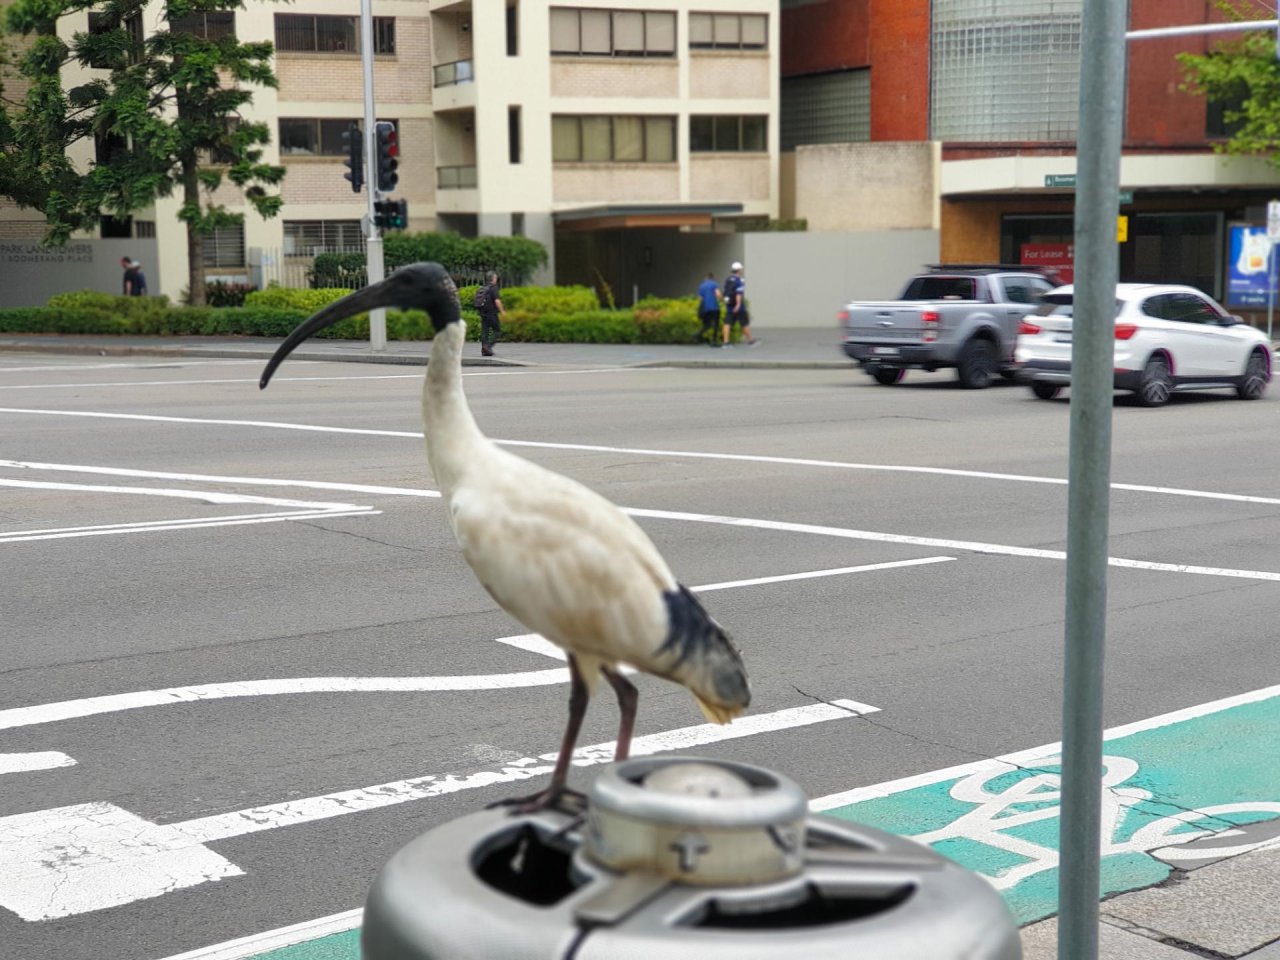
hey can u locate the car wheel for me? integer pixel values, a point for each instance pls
(889, 375)
(1254, 383)
(977, 364)
(1045, 391)
(1156, 384)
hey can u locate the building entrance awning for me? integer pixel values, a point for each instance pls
(635, 216)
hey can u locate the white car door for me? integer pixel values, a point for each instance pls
(1229, 341)
(1163, 330)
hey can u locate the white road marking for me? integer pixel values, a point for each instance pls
(114, 703)
(30, 762)
(536, 643)
(193, 523)
(70, 860)
(154, 365)
(211, 478)
(207, 496)
(685, 454)
(813, 574)
(1029, 757)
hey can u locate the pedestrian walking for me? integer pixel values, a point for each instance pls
(489, 303)
(139, 281)
(735, 300)
(130, 273)
(709, 300)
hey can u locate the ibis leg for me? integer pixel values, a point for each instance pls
(578, 697)
(628, 697)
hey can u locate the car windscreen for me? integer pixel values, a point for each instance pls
(941, 288)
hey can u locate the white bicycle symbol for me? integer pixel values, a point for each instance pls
(993, 815)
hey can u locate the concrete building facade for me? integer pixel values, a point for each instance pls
(597, 128)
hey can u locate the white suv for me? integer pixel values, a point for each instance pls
(1167, 338)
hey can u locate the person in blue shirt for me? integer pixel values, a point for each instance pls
(709, 298)
(735, 302)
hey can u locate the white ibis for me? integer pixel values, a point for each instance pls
(558, 557)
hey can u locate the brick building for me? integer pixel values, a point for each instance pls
(961, 115)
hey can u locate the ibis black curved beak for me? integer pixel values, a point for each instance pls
(368, 298)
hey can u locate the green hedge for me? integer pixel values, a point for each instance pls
(534, 314)
(514, 258)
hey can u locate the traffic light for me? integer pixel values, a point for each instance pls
(391, 214)
(353, 141)
(388, 156)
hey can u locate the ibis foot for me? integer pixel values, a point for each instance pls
(562, 799)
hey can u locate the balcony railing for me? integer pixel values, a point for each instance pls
(459, 71)
(456, 178)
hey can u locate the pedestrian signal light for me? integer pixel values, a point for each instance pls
(391, 214)
(388, 156)
(353, 142)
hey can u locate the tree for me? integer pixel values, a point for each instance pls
(1242, 79)
(165, 118)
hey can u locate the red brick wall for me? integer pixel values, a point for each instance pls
(829, 35)
(899, 49)
(1159, 113)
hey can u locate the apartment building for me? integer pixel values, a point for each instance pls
(625, 135)
(964, 113)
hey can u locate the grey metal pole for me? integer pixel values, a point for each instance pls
(373, 242)
(1102, 58)
(1271, 285)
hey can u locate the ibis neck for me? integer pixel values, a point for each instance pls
(454, 441)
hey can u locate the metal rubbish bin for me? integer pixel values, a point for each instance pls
(674, 858)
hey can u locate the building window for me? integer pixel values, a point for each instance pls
(612, 33)
(224, 247)
(101, 24)
(308, 33)
(513, 134)
(1005, 71)
(825, 108)
(306, 238)
(728, 31)
(1216, 124)
(513, 28)
(591, 139)
(517, 224)
(108, 146)
(315, 137)
(116, 228)
(144, 229)
(211, 25)
(728, 134)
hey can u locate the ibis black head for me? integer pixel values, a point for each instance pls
(419, 286)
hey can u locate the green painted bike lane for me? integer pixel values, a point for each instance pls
(1175, 787)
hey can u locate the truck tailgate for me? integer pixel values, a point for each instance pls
(891, 320)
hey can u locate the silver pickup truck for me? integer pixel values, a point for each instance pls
(959, 316)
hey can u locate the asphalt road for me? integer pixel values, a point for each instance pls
(120, 585)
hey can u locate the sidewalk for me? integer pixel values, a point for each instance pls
(794, 348)
(1230, 908)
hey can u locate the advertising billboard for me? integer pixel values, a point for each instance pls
(1248, 265)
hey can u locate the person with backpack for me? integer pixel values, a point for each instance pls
(709, 298)
(489, 302)
(735, 299)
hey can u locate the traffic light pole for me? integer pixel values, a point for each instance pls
(373, 242)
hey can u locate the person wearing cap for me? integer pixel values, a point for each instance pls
(735, 300)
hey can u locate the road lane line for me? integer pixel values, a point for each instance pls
(206, 496)
(196, 523)
(536, 643)
(114, 703)
(292, 812)
(524, 372)
(677, 454)
(259, 943)
(214, 478)
(31, 762)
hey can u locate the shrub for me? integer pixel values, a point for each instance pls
(563, 300)
(338, 270)
(467, 259)
(308, 300)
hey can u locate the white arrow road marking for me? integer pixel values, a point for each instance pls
(70, 860)
(28, 762)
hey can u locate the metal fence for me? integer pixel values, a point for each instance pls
(272, 266)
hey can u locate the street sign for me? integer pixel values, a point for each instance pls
(1122, 229)
(1273, 221)
(1067, 181)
